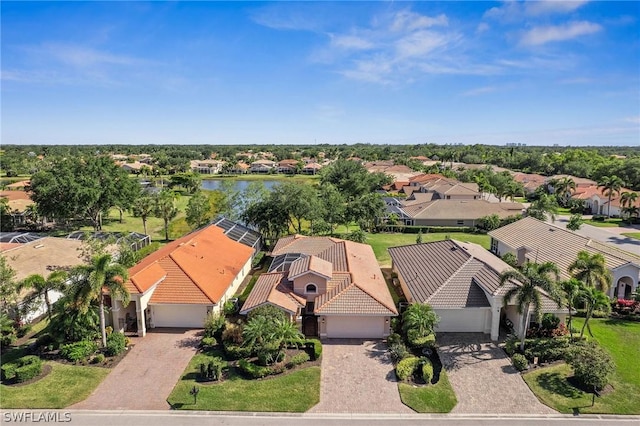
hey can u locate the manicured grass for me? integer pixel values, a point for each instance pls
(622, 340)
(635, 235)
(437, 398)
(64, 386)
(295, 392)
(608, 223)
(381, 242)
(564, 211)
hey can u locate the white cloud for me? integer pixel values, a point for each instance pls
(420, 43)
(482, 27)
(81, 56)
(542, 35)
(633, 120)
(511, 11)
(351, 42)
(409, 21)
(479, 91)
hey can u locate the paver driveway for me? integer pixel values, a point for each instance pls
(358, 377)
(483, 378)
(145, 377)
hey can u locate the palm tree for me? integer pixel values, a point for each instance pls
(165, 208)
(564, 187)
(595, 300)
(256, 332)
(627, 200)
(591, 270)
(610, 185)
(571, 289)
(420, 318)
(41, 285)
(143, 207)
(89, 283)
(284, 332)
(533, 277)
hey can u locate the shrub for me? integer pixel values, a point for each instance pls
(98, 359)
(398, 351)
(232, 333)
(75, 352)
(108, 329)
(427, 371)
(422, 341)
(407, 367)
(229, 307)
(546, 349)
(44, 340)
(213, 325)
(591, 364)
(236, 351)
(8, 371)
(550, 321)
(511, 344)
(116, 343)
(298, 359)
(267, 311)
(394, 338)
(208, 342)
(519, 362)
(27, 368)
(317, 348)
(24, 330)
(252, 370)
(268, 357)
(212, 370)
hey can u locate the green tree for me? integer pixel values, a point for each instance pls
(627, 200)
(571, 289)
(419, 237)
(88, 283)
(190, 181)
(575, 222)
(419, 319)
(8, 287)
(41, 285)
(543, 206)
(198, 210)
(333, 205)
(532, 278)
(82, 188)
(610, 185)
(595, 300)
(564, 187)
(592, 270)
(166, 209)
(143, 207)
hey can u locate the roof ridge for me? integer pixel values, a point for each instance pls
(444, 284)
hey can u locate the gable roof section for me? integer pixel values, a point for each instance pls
(273, 288)
(545, 242)
(460, 209)
(197, 268)
(311, 264)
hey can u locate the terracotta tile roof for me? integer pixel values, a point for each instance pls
(545, 242)
(15, 195)
(198, 268)
(587, 192)
(273, 288)
(425, 177)
(310, 264)
(354, 272)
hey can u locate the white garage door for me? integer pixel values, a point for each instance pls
(461, 320)
(355, 327)
(192, 316)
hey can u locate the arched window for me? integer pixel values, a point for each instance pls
(311, 288)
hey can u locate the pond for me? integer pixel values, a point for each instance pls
(239, 185)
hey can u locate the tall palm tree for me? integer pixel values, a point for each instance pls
(595, 300)
(89, 283)
(165, 208)
(143, 207)
(420, 318)
(533, 277)
(610, 185)
(41, 285)
(591, 270)
(564, 187)
(571, 289)
(285, 332)
(627, 200)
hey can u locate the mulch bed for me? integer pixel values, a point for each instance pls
(46, 369)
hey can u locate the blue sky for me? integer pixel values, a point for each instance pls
(535, 72)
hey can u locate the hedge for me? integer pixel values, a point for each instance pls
(407, 367)
(519, 362)
(423, 342)
(317, 348)
(80, 350)
(406, 229)
(116, 344)
(252, 370)
(237, 351)
(427, 371)
(23, 369)
(298, 359)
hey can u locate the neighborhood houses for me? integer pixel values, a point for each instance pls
(318, 271)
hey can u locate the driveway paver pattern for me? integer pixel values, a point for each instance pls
(483, 378)
(146, 376)
(358, 377)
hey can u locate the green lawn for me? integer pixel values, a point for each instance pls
(622, 340)
(381, 242)
(635, 235)
(295, 392)
(608, 223)
(64, 386)
(437, 398)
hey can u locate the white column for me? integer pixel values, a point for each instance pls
(495, 322)
(142, 327)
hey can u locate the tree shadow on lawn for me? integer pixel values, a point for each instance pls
(557, 384)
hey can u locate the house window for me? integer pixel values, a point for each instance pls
(311, 288)
(494, 245)
(460, 222)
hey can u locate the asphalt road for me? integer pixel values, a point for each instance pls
(164, 418)
(605, 235)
